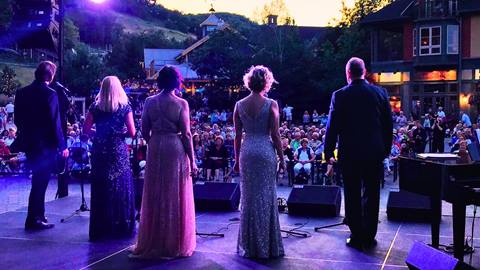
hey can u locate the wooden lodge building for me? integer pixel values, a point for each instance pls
(427, 54)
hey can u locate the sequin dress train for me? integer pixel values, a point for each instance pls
(259, 233)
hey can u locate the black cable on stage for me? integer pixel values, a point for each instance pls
(296, 231)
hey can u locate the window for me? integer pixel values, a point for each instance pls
(415, 42)
(452, 39)
(430, 40)
(453, 7)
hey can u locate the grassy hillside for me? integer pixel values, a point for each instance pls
(131, 24)
(24, 72)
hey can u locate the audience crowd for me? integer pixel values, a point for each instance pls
(302, 141)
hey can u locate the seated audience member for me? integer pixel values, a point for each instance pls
(316, 144)
(199, 150)
(304, 156)
(12, 134)
(295, 143)
(217, 158)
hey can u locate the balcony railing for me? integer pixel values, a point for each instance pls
(437, 8)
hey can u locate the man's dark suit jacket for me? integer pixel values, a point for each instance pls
(37, 118)
(360, 118)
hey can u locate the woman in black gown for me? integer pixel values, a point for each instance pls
(112, 199)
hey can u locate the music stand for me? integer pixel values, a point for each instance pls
(77, 155)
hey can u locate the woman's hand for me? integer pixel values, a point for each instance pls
(194, 171)
(236, 167)
(282, 167)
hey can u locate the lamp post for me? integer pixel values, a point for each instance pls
(61, 42)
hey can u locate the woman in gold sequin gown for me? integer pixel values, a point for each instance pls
(256, 159)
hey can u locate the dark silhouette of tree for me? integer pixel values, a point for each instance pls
(8, 83)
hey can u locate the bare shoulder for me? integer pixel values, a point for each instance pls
(274, 105)
(182, 103)
(149, 100)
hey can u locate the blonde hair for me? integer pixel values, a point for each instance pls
(111, 95)
(258, 79)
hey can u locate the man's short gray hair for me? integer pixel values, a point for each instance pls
(356, 67)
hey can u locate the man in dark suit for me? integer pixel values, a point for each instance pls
(360, 119)
(40, 136)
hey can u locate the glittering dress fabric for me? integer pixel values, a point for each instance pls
(259, 233)
(112, 198)
(167, 219)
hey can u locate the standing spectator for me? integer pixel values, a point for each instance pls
(306, 118)
(438, 142)
(112, 199)
(419, 137)
(214, 117)
(323, 120)
(10, 108)
(402, 120)
(3, 118)
(441, 113)
(288, 113)
(315, 117)
(223, 117)
(466, 119)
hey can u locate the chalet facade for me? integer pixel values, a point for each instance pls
(426, 53)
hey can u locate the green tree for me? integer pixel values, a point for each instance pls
(128, 51)
(8, 83)
(84, 70)
(352, 41)
(275, 7)
(72, 34)
(361, 8)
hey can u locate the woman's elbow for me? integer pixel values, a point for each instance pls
(187, 135)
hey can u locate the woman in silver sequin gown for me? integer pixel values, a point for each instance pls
(256, 159)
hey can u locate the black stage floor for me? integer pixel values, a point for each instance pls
(67, 246)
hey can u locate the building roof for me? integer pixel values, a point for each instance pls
(161, 57)
(309, 32)
(394, 11)
(200, 42)
(212, 20)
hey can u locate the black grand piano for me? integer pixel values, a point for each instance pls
(453, 180)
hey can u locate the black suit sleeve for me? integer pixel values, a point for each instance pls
(387, 124)
(19, 118)
(331, 135)
(54, 115)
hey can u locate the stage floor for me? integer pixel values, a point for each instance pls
(67, 246)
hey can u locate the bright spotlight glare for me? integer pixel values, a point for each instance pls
(98, 1)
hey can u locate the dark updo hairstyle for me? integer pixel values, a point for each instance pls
(258, 79)
(169, 78)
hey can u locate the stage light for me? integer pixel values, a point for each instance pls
(98, 1)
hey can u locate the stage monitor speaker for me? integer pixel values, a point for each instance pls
(424, 257)
(408, 206)
(211, 196)
(320, 201)
(36, 25)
